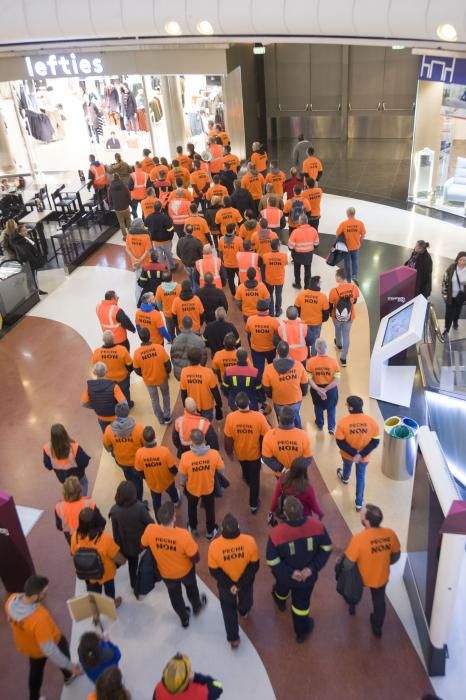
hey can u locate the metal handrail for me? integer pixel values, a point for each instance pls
(286, 109)
(365, 109)
(311, 109)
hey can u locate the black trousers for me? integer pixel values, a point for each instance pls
(232, 605)
(307, 271)
(232, 272)
(378, 601)
(209, 505)
(453, 311)
(252, 474)
(300, 602)
(132, 568)
(37, 666)
(175, 592)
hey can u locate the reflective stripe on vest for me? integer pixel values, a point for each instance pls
(254, 261)
(215, 270)
(100, 175)
(301, 242)
(72, 464)
(273, 216)
(139, 177)
(302, 334)
(61, 515)
(108, 321)
(201, 426)
(179, 210)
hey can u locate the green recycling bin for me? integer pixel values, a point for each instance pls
(399, 449)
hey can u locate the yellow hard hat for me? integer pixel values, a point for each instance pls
(177, 673)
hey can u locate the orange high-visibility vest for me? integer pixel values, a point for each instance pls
(100, 176)
(179, 210)
(303, 239)
(273, 216)
(209, 264)
(140, 178)
(62, 464)
(247, 259)
(69, 513)
(186, 423)
(294, 333)
(107, 311)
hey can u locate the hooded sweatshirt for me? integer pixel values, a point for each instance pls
(123, 427)
(19, 611)
(162, 330)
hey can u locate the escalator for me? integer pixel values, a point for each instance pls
(442, 363)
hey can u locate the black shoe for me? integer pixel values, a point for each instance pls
(376, 631)
(281, 604)
(343, 363)
(278, 313)
(131, 404)
(42, 293)
(196, 611)
(340, 347)
(255, 508)
(455, 325)
(185, 621)
(295, 285)
(300, 638)
(319, 427)
(352, 610)
(445, 332)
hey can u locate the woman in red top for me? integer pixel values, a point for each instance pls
(295, 482)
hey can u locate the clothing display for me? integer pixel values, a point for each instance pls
(156, 107)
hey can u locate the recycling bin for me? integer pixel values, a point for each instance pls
(399, 448)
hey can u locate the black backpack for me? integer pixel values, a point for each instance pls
(88, 564)
(297, 208)
(343, 309)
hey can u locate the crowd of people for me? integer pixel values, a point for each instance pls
(233, 236)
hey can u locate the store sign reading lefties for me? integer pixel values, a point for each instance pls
(61, 66)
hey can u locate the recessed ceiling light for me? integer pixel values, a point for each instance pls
(204, 27)
(172, 28)
(398, 47)
(447, 32)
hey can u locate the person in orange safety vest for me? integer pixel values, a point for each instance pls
(137, 185)
(113, 318)
(296, 333)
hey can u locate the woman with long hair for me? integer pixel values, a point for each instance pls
(454, 291)
(421, 261)
(92, 535)
(110, 686)
(130, 518)
(68, 509)
(96, 654)
(65, 457)
(295, 482)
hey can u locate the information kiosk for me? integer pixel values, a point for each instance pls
(398, 331)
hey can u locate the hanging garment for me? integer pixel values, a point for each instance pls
(195, 123)
(156, 108)
(113, 100)
(40, 126)
(142, 119)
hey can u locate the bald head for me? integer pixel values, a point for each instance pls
(190, 405)
(108, 338)
(292, 313)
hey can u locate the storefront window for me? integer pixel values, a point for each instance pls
(438, 172)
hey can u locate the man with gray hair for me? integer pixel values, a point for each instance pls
(324, 374)
(118, 362)
(296, 333)
(184, 341)
(353, 231)
(102, 395)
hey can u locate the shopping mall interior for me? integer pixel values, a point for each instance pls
(358, 106)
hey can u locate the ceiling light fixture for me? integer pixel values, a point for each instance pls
(172, 28)
(204, 27)
(447, 32)
(398, 47)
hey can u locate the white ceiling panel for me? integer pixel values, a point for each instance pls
(407, 18)
(336, 17)
(302, 17)
(370, 18)
(270, 22)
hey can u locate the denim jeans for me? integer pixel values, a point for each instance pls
(314, 334)
(84, 485)
(154, 397)
(296, 408)
(207, 413)
(260, 358)
(342, 336)
(165, 253)
(275, 305)
(190, 274)
(131, 474)
(351, 264)
(330, 405)
(125, 387)
(108, 586)
(360, 478)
